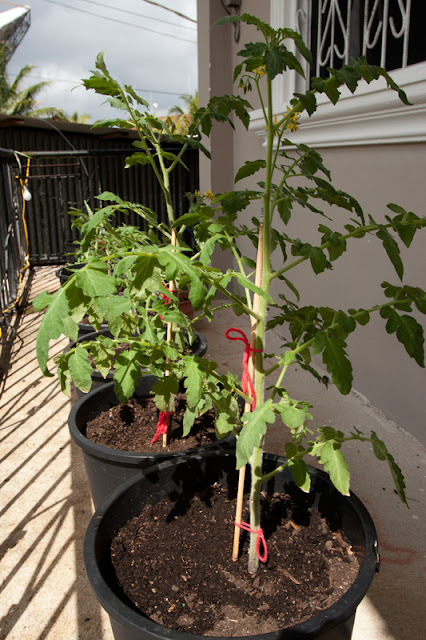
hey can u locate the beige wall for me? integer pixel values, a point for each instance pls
(375, 175)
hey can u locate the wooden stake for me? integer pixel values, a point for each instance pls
(247, 406)
(169, 327)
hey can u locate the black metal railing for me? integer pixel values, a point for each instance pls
(40, 229)
(13, 235)
(62, 180)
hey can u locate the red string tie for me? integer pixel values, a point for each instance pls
(165, 296)
(246, 380)
(162, 424)
(260, 539)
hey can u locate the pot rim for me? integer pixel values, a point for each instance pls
(334, 614)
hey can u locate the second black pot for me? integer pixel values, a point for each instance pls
(107, 468)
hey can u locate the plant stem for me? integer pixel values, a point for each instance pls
(258, 282)
(256, 458)
(256, 484)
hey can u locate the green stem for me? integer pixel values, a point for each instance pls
(256, 484)
(178, 157)
(256, 458)
(240, 266)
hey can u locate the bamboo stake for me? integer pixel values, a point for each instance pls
(169, 332)
(247, 406)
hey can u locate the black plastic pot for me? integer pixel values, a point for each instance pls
(107, 468)
(65, 272)
(165, 482)
(200, 348)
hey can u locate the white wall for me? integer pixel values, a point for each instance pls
(375, 175)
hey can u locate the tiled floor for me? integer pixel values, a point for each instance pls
(45, 503)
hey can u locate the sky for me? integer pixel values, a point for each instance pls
(65, 37)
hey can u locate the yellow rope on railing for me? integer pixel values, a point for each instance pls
(23, 183)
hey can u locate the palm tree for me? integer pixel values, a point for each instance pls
(58, 114)
(13, 99)
(184, 116)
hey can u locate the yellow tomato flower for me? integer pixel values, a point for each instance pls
(209, 195)
(293, 123)
(260, 71)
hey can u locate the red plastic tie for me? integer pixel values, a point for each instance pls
(162, 424)
(246, 380)
(260, 539)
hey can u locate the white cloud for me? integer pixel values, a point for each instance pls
(63, 43)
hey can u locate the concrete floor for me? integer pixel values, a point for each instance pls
(45, 502)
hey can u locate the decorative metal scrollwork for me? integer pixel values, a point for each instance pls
(349, 28)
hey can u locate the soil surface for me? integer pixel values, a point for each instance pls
(131, 427)
(174, 564)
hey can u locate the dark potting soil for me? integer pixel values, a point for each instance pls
(173, 562)
(131, 427)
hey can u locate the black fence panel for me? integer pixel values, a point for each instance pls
(69, 165)
(13, 251)
(60, 183)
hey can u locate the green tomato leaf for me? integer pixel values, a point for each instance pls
(297, 466)
(80, 368)
(381, 453)
(249, 168)
(95, 282)
(255, 426)
(194, 378)
(188, 419)
(127, 374)
(335, 465)
(164, 389)
(335, 359)
(392, 249)
(51, 326)
(292, 416)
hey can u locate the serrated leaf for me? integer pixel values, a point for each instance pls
(248, 284)
(164, 389)
(278, 59)
(127, 374)
(381, 452)
(51, 327)
(391, 249)
(80, 368)
(114, 306)
(102, 353)
(336, 360)
(189, 419)
(95, 282)
(410, 334)
(124, 265)
(284, 207)
(291, 415)
(70, 328)
(196, 293)
(308, 101)
(335, 465)
(42, 300)
(137, 158)
(255, 426)
(226, 19)
(194, 378)
(297, 467)
(249, 168)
